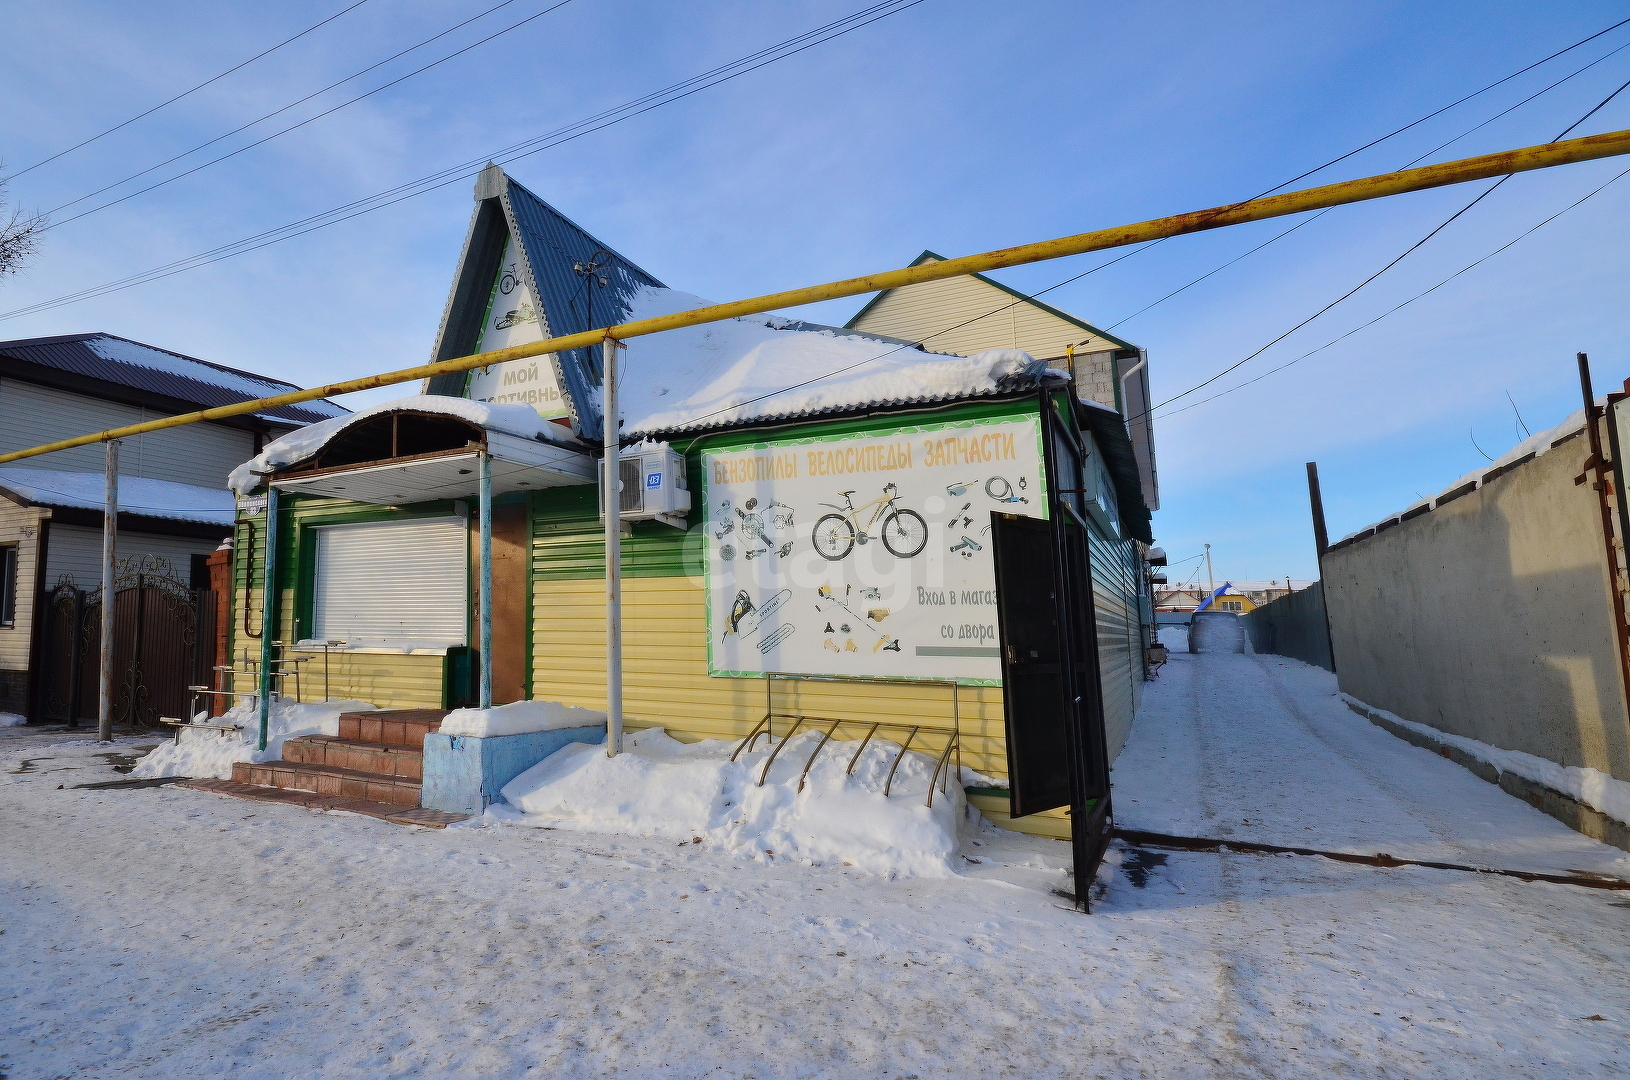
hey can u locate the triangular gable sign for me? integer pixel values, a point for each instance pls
(519, 281)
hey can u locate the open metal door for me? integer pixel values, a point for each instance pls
(1051, 695)
(1038, 771)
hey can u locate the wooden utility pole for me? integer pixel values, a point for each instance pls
(110, 545)
(1321, 538)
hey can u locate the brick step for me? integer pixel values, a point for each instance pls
(400, 815)
(327, 780)
(356, 755)
(392, 727)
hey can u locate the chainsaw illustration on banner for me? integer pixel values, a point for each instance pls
(759, 529)
(856, 623)
(746, 619)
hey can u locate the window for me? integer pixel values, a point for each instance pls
(1231, 605)
(392, 584)
(8, 585)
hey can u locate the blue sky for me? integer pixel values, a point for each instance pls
(954, 125)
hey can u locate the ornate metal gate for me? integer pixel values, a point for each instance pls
(163, 637)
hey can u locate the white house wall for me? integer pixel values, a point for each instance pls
(200, 454)
(77, 550)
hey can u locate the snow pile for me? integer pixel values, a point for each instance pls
(761, 367)
(522, 421)
(518, 718)
(677, 791)
(1216, 632)
(11, 719)
(1597, 790)
(197, 752)
(137, 495)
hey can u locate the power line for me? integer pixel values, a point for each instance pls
(1406, 303)
(464, 170)
(308, 120)
(1136, 250)
(1416, 161)
(1406, 253)
(185, 93)
(1446, 108)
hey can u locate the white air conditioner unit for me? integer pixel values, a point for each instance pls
(653, 485)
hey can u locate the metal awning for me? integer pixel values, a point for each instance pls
(517, 465)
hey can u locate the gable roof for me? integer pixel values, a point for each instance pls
(150, 370)
(930, 256)
(549, 246)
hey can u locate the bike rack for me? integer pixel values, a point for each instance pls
(766, 728)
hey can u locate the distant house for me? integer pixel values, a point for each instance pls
(175, 508)
(974, 313)
(1242, 596)
(969, 314)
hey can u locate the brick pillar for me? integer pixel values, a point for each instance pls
(220, 583)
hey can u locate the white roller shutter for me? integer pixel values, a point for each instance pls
(393, 584)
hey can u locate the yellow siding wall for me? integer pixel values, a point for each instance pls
(937, 313)
(20, 525)
(666, 684)
(388, 680)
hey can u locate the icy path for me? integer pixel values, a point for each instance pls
(169, 933)
(1232, 745)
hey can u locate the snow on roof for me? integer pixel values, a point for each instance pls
(1536, 444)
(124, 351)
(137, 495)
(521, 421)
(159, 371)
(765, 368)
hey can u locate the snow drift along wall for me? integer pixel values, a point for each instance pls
(1490, 617)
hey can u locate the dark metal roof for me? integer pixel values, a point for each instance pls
(553, 244)
(550, 245)
(186, 380)
(1108, 429)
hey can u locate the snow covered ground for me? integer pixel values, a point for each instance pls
(163, 932)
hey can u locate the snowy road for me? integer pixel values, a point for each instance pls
(170, 933)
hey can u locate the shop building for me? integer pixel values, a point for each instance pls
(824, 526)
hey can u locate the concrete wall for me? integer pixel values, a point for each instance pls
(1294, 626)
(1491, 617)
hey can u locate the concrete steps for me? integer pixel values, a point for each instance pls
(355, 755)
(328, 780)
(373, 766)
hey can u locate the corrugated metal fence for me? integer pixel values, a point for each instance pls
(1293, 626)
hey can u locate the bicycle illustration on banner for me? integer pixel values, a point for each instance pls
(903, 532)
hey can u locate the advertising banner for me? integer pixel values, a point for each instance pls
(512, 319)
(864, 555)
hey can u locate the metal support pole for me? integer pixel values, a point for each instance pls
(110, 544)
(268, 613)
(611, 493)
(486, 580)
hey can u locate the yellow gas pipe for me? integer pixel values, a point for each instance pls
(1527, 159)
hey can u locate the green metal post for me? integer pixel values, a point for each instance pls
(268, 613)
